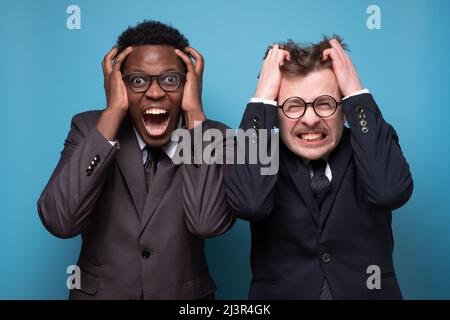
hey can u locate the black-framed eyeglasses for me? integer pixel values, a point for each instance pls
(295, 107)
(168, 81)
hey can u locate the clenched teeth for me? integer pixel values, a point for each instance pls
(312, 136)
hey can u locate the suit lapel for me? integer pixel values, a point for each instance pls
(162, 180)
(129, 159)
(300, 177)
(339, 161)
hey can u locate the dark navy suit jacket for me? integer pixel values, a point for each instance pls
(295, 245)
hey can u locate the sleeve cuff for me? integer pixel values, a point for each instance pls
(357, 93)
(265, 101)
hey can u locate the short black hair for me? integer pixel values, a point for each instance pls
(151, 32)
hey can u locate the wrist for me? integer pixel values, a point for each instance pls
(351, 90)
(194, 116)
(114, 113)
(264, 96)
(109, 122)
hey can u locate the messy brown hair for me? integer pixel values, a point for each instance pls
(307, 58)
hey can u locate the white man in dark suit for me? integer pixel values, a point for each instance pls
(321, 226)
(143, 219)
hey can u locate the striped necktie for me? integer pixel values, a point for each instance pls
(320, 186)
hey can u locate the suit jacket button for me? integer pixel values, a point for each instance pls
(145, 254)
(90, 168)
(364, 129)
(359, 109)
(363, 123)
(326, 257)
(97, 158)
(256, 118)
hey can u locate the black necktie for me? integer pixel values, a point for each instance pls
(320, 186)
(150, 165)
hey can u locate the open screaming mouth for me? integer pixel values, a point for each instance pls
(156, 121)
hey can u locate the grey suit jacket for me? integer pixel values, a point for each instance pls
(134, 245)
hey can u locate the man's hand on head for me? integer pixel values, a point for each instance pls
(192, 94)
(343, 68)
(115, 89)
(116, 94)
(270, 76)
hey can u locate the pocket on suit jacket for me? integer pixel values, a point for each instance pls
(89, 278)
(89, 283)
(199, 287)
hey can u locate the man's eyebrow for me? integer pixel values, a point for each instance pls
(172, 70)
(136, 70)
(168, 69)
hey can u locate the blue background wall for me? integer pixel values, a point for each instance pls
(49, 73)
